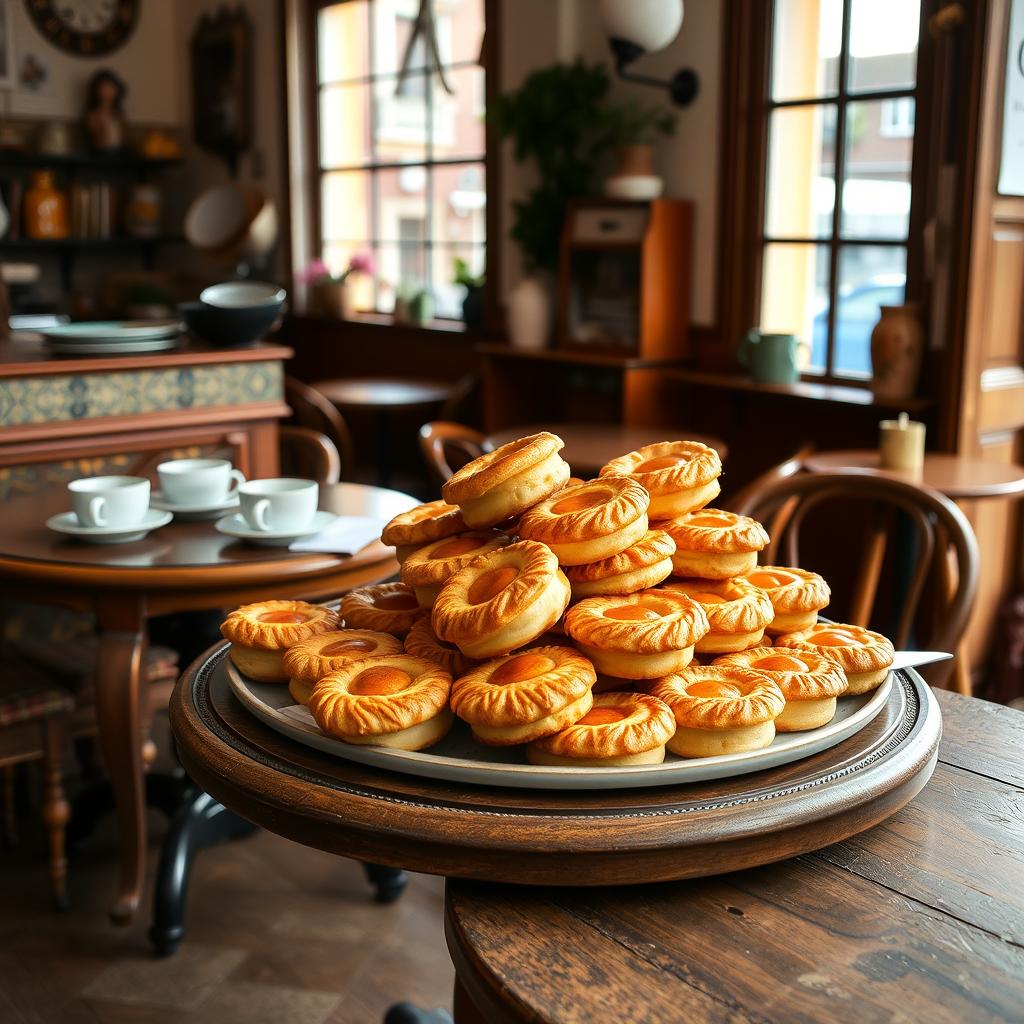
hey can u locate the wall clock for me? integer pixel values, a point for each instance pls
(86, 28)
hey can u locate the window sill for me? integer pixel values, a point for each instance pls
(448, 329)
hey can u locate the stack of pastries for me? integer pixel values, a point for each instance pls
(594, 623)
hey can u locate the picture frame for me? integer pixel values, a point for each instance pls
(1011, 156)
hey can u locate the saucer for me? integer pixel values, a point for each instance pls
(67, 523)
(193, 513)
(236, 526)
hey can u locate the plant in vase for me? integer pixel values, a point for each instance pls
(332, 294)
(413, 305)
(473, 303)
(633, 128)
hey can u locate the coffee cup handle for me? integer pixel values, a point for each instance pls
(237, 479)
(96, 511)
(259, 514)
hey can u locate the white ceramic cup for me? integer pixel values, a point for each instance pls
(278, 505)
(110, 501)
(199, 482)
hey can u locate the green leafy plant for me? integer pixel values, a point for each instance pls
(635, 124)
(464, 276)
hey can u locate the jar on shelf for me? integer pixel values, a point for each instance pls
(46, 208)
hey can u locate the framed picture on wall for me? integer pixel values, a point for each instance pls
(6, 46)
(1011, 159)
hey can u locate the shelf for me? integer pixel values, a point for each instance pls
(86, 161)
(65, 244)
(578, 357)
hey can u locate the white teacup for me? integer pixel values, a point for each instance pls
(279, 505)
(199, 482)
(112, 501)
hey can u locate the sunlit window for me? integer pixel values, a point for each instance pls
(401, 161)
(840, 124)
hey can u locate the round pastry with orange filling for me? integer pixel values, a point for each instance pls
(501, 600)
(796, 595)
(737, 613)
(422, 642)
(641, 566)
(503, 483)
(312, 659)
(260, 633)
(810, 683)
(712, 544)
(865, 656)
(680, 476)
(524, 696)
(385, 607)
(396, 701)
(427, 569)
(421, 525)
(620, 729)
(720, 709)
(595, 520)
(637, 636)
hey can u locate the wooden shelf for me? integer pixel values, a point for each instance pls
(68, 244)
(578, 357)
(10, 160)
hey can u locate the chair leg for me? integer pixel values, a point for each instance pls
(10, 835)
(56, 810)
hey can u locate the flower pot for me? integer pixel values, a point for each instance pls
(333, 298)
(529, 315)
(473, 308)
(897, 346)
(634, 176)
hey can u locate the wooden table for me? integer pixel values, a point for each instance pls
(589, 446)
(918, 919)
(182, 567)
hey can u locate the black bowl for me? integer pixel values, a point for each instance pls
(226, 327)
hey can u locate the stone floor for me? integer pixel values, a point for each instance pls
(277, 934)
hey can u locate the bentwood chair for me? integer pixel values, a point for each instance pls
(309, 455)
(938, 529)
(447, 446)
(314, 411)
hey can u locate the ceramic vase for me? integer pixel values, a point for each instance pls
(897, 346)
(634, 176)
(334, 298)
(46, 208)
(529, 315)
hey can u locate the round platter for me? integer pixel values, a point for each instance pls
(600, 836)
(458, 758)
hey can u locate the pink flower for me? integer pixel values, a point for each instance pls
(316, 271)
(361, 263)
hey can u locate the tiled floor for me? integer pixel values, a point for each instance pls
(277, 934)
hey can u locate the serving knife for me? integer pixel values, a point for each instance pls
(915, 659)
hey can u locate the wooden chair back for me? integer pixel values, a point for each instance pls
(940, 530)
(315, 411)
(444, 443)
(309, 455)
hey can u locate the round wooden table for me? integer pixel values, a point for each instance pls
(920, 919)
(589, 446)
(181, 567)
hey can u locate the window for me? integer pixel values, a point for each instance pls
(840, 135)
(401, 166)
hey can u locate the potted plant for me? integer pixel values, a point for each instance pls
(473, 303)
(332, 294)
(632, 129)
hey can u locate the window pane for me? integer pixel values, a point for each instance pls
(460, 30)
(345, 205)
(806, 37)
(883, 44)
(402, 204)
(801, 166)
(460, 25)
(879, 150)
(402, 266)
(343, 38)
(459, 200)
(794, 297)
(344, 125)
(458, 126)
(870, 276)
(447, 295)
(401, 121)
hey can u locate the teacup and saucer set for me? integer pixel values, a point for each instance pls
(276, 512)
(109, 510)
(194, 489)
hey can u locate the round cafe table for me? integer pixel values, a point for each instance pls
(589, 446)
(185, 566)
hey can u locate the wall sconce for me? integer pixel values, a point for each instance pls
(636, 27)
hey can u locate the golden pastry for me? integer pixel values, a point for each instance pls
(712, 544)
(523, 697)
(421, 525)
(737, 613)
(595, 520)
(422, 642)
(620, 729)
(810, 682)
(865, 656)
(396, 701)
(508, 481)
(312, 659)
(428, 568)
(680, 476)
(501, 600)
(637, 636)
(386, 607)
(720, 709)
(644, 565)
(796, 595)
(260, 633)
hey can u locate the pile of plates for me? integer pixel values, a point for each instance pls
(112, 337)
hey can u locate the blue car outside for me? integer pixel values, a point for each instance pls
(857, 314)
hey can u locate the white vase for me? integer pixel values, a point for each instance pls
(529, 315)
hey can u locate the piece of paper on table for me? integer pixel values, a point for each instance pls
(345, 536)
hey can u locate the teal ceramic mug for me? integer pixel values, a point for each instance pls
(772, 358)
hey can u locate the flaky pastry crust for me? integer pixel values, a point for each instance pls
(698, 465)
(424, 524)
(314, 658)
(422, 642)
(252, 625)
(655, 547)
(716, 531)
(790, 589)
(745, 697)
(854, 648)
(800, 675)
(492, 469)
(674, 622)
(428, 566)
(385, 607)
(745, 608)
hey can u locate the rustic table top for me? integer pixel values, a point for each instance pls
(952, 475)
(918, 919)
(382, 392)
(588, 446)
